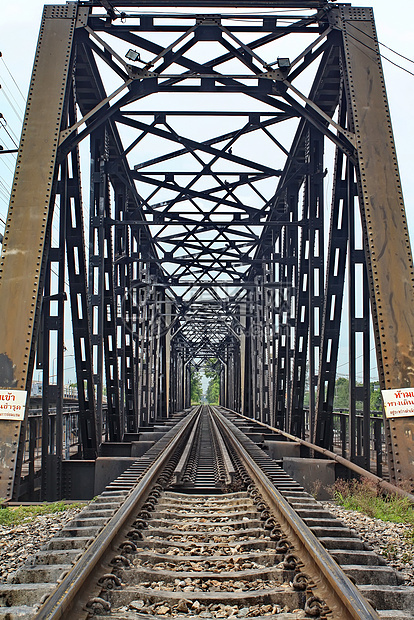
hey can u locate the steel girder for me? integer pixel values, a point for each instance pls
(23, 251)
(206, 221)
(386, 238)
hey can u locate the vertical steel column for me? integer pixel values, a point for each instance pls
(153, 352)
(260, 348)
(267, 345)
(249, 348)
(98, 197)
(28, 220)
(291, 268)
(359, 392)
(129, 336)
(101, 288)
(157, 354)
(173, 382)
(270, 309)
(166, 407)
(144, 345)
(280, 383)
(222, 396)
(387, 250)
(187, 384)
(123, 307)
(113, 420)
(79, 302)
(53, 315)
(315, 189)
(309, 287)
(255, 351)
(237, 373)
(178, 382)
(243, 356)
(302, 311)
(285, 268)
(52, 364)
(343, 198)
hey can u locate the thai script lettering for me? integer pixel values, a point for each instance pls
(8, 396)
(398, 403)
(12, 404)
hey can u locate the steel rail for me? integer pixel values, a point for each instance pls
(383, 484)
(341, 595)
(226, 460)
(182, 463)
(63, 598)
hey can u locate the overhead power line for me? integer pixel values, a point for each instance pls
(12, 103)
(372, 49)
(383, 44)
(12, 77)
(12, 136)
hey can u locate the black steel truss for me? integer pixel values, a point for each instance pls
(210, 158)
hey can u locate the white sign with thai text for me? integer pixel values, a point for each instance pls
(12, 404)
(398, 403)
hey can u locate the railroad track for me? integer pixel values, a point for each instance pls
(205, 524)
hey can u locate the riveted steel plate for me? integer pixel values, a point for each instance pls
(388, 249)
(26, 227)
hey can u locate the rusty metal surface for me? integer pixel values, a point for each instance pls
(387, 242)
(28, 217)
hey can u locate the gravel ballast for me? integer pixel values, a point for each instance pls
(390, 540)
(19, 542)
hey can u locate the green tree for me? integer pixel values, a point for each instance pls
(341, 393)
(213, 392)
(212, 372)
(375, 398)
(196, 388)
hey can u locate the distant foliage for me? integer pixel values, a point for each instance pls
(212, 372)
(376, 399)
(341, 393)
(341, 399)
(196, 388)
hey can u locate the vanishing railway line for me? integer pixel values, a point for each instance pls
(205, 524)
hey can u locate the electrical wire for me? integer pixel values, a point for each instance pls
(397, 65)
(4, 189)
(357, 358)
(12, 77)
(3, 159)
(397, 53)
(18, 112)
(4, 198)
(383, 44)
(10, 133)
(372, 49)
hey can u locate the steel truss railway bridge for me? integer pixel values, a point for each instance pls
(239, 201)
